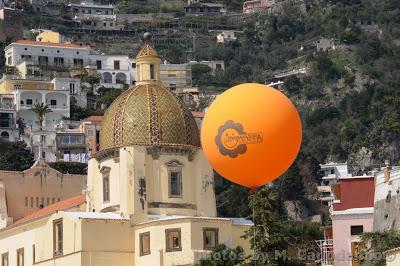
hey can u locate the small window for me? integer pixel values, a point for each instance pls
(152, 73)
(175, 179)
(53, 102)
(58, 61)
(20, 257)
(43, 60)
(116, 64)
(98, 64)
(356, 230)
(210, 238)
(26, 201)
(78, 62)
(173, 240)
(31, 202)
(72, 89)
(144, 243)
(58, 238)
(4, 259)
(29, 101)
(175, 183)
(33, 254)
(106, 184)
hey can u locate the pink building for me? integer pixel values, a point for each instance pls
(352, 214)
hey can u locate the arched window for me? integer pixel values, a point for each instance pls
(175, 179)
(5, 136)
(107, 77)
(121, 78)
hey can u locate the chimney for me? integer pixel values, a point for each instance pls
(386, 171)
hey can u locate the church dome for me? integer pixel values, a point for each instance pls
(148, 115)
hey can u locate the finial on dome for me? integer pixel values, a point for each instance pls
(147, 36)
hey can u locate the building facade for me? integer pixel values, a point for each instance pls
(29, 191)
(352, 214)
(39, 59)
(175, 76)
(94, 16)
(91, 127)
(150, 194)
(331, 173)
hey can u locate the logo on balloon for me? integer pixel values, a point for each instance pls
(232, 140)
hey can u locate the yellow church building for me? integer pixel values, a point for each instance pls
(149, 199)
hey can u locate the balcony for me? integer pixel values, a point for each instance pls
(7, 123)
(71, 141)
(7, 105)
(58, 107)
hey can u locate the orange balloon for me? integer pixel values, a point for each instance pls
(251, 134)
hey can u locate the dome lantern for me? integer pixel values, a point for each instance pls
(148, 66)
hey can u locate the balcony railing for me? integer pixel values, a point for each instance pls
(7, 105)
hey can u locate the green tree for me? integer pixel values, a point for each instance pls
(107, 96)
(41, 110)
(15, 156)
(201, 74)
(70, 167)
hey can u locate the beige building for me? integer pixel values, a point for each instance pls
(150, 195)
(23, 193)
(91, 128)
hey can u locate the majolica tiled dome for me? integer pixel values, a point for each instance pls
(148, 115)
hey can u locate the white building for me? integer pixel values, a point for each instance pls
(33, 59)
(8, 118)
(226, 36)
(94, 16)
(47, 54)
(331, 173)
(115, 71)
(18, 121)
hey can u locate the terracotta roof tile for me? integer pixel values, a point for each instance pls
(198, 114)
(53, 208)
(94, 118)
(64, 44)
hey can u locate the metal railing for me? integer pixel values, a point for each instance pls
(326, 251)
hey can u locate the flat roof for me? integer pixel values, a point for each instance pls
(62, 45)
